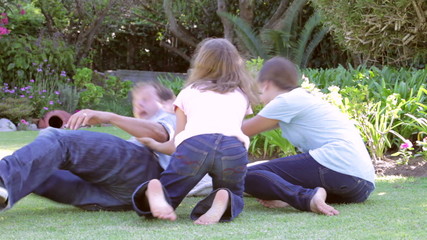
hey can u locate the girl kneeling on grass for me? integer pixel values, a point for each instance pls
(334, 165)
(209, 139)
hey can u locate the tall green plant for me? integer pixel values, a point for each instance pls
(289, 41)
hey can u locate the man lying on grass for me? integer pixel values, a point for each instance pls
(90, 170)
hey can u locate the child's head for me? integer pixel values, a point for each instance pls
(276, 76)
(281, 72)
(218, 66)
(149, 97)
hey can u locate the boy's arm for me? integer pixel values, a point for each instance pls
(169, 146)
(258, 124)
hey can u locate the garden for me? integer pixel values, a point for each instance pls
(366, 57)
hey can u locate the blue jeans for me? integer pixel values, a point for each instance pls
(295, 179)
(223, 157)
(87, 169)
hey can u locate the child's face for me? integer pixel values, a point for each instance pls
(264, 95)
(145, 102)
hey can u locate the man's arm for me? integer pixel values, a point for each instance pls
(135, 127)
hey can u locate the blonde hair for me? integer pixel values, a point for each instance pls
(217, 66)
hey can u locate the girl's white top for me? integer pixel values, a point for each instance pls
(315, 126)
(210, 112)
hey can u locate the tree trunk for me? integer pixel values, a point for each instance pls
(247, 10)
(277, 16)
(177, 29)
(228, 26)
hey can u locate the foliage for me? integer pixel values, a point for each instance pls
(291, 40)
(99, 91)
(15, 109)
(69, 97)
(384, 32)
(25, 46)
(175, 83)
(41, 91)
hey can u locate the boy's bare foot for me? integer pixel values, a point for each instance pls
(214, 214)
(318, 204)
(273, 203)
(159, 207)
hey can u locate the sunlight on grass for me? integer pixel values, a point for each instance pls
(395, 210)
(6, 152)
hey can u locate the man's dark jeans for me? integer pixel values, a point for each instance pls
(99, 171)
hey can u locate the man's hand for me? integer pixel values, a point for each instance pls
(87, 117)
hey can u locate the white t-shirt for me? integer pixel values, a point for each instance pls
(210, 112)
(168, 121)
(315, 126)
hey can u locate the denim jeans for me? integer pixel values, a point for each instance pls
(99, 171)
(294, 180)
(223, 157)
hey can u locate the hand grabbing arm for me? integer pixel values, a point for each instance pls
(165, 147)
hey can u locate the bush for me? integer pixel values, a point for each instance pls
(384, 32)
(16, 109)
(26, 46)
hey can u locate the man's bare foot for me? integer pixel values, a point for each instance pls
(159, 207)
(273, 203)
(214, 214)
(318, 204)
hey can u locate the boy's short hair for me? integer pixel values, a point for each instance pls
(164, 93)
(281, 71)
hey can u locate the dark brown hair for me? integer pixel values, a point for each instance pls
(281, 71)
(164, 93)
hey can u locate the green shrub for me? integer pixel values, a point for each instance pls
(384, 32)
(16, 109)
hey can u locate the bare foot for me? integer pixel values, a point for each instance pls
(318, 204)
(214, 214)
(273, 203)
(159, 207)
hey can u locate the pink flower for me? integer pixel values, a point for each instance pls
(24, 122)
(32, 80)
(22, 12)
(406, 144)
(4, 31)
(45, 108)
(4, 19)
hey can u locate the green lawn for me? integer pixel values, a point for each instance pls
(396, 210)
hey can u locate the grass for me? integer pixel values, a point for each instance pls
(396, 210)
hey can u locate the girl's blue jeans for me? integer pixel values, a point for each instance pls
(223, 157)
(87, 169)
(295, 179)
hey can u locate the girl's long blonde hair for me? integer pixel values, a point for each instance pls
(217, 66)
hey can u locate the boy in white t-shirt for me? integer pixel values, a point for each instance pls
(334, 165)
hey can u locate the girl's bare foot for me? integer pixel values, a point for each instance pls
(159, 207)
(273, 203)
(214, 214)
(318, 204)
